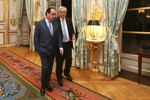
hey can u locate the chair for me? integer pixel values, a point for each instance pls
(141, 54)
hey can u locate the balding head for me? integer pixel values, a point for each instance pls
(62, 11)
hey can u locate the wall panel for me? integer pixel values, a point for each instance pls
(1, 38)
(1, 11)
(2, 23)
(2, 27)
(13, 38)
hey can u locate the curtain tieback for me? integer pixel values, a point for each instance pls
(79, 36)
(115, 45)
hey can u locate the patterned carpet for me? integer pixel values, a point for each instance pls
(31, 73)
(14, 87)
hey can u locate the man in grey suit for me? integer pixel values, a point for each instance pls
(46, 39)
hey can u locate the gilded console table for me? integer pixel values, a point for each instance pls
(95, 47)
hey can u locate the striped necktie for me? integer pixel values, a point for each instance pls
(64, 30)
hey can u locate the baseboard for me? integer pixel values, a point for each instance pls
(135, 70)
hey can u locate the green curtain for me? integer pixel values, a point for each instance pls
(80, 9)
(114, 14)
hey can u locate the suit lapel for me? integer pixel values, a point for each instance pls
(46, 27)
(68, 26)
(67, 22)
(59, 22)
(53, 27)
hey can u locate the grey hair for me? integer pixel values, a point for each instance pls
(61, 7)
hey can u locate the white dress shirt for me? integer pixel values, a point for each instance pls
(67, 34)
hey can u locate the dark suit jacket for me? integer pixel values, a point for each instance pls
(44, 42)
(70, 28)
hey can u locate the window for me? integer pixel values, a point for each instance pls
(136, 27)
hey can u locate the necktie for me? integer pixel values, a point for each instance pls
(64, 30)
(51, 28)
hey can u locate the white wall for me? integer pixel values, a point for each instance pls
(2, 23)
(8, 27)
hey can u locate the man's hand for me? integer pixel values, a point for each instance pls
(61, 51)
(73, 37)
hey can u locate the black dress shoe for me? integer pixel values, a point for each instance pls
(42, 91)
(69, 78)
(60, 83)
(49, 88)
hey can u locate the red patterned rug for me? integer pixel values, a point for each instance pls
(32, 72)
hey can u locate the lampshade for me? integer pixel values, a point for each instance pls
(95, 31)
(93, 22)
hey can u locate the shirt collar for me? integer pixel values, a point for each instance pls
(47, 21)
(62, 19)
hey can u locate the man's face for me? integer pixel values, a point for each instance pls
(51, 16)
(62, 13)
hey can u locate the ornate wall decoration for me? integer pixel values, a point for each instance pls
(96, 13)
(13, 20)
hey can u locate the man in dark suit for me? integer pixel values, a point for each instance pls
(68, 36)
(46, 39)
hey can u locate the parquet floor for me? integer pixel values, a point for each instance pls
(117, 89)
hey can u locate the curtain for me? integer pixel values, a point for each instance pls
(19, 9)
(35, 12)
(31, 15)
(43, 7)
(55, 4)
(114, 14)
(80, 9)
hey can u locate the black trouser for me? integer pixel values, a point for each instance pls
(60, 59)
(47, 65)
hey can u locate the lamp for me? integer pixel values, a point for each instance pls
(95, 31)
(95, 37)
(93, 22)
